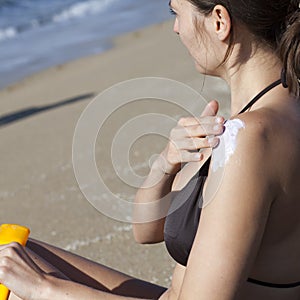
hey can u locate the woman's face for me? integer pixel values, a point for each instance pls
(198, 41)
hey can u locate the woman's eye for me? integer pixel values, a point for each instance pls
(172, 12)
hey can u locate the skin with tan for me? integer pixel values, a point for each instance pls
(251, 225)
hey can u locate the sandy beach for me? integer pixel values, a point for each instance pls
(37, 122)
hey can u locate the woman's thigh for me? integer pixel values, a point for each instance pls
(89, 273)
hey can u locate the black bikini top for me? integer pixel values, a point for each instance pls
(184, 214)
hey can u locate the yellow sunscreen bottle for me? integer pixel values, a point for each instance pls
(11, 233)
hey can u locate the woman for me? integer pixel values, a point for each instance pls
(245, 241)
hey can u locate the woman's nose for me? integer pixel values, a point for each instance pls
(176, 27)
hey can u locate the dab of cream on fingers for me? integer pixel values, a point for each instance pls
(227, 145)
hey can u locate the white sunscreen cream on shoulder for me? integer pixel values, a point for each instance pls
(227, 145)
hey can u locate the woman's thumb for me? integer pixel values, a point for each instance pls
(211, 109)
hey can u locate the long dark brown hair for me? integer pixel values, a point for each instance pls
(275, 22)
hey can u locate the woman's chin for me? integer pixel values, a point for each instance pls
(203, 70)
(200, 68)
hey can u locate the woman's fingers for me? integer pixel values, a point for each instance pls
(211, 109)
(196, 131)
(202, 130)
(184, 156)
(17, 252)
(197, 143)
(191, 135)
(187, 156)
(19, 273)
(9, 250)
(189, 121)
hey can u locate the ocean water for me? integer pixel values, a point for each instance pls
(36, 34)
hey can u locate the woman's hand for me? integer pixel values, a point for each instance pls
(189, 136)
(19, 273)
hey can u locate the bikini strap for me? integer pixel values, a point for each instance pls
(274, 285)
(262, 93)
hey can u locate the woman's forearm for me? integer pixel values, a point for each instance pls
(55, 288)
(153, 200)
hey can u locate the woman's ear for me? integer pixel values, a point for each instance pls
(222, 22)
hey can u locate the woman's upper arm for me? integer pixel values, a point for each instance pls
(232, 220)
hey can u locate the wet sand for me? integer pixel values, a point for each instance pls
(37, 122)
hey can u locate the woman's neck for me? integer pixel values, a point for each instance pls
(247, 79)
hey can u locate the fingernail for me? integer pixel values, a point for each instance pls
(217, 128)
(213, 142)
(219, 120)
(198, 156)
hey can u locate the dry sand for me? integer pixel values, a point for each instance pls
(37, 183)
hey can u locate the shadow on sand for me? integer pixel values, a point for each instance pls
(29, 112)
